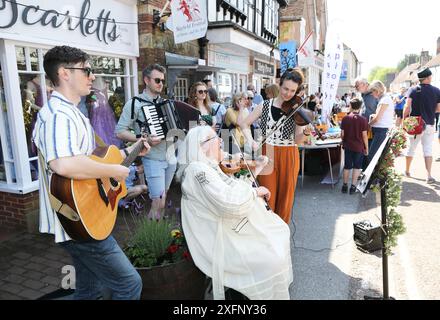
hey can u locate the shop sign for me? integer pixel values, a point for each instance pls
(264, 68)
(103, 25)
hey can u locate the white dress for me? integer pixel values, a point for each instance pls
(232, 237)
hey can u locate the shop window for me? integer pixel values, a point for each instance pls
(6, 156)
(115, 83)
(181, 89)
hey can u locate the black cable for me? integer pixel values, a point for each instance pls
(316, 250)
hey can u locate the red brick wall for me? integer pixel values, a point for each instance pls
(15, 207)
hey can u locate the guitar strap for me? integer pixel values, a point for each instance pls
(55, 203)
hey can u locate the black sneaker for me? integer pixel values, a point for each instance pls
(344, 188)
(352, 189)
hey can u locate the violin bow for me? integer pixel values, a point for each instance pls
(254, 179)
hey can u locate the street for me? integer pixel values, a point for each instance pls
(327, 265)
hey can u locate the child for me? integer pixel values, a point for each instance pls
(355, 143)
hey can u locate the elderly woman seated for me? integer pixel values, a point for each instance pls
(232, 236)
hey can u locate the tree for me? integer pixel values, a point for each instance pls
(409, 59)
(380, 73)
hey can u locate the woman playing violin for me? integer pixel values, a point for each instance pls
(281, 144)
(231, 235)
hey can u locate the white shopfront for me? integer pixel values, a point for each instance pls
(106, 29)
(235, 62)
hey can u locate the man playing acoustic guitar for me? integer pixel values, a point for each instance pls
(65, 140)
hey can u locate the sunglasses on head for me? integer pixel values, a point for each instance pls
(202, 91)
(87, 70)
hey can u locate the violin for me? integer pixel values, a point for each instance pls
(301, 115)
(233, 166)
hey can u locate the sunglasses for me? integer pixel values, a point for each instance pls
(202, 91)
(88, 71)
(159, 80)
(250, 98)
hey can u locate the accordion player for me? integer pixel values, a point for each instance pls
(166, 115)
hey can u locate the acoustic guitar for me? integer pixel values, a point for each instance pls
(94, 201)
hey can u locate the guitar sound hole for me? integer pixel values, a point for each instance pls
(114, 183)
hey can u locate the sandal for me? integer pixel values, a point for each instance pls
(430, 180)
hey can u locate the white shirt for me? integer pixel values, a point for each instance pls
(232, 237)
(61, 130)
(387, 119)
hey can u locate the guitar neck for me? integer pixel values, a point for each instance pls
(132, 155)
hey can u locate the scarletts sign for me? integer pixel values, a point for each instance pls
(95, 25)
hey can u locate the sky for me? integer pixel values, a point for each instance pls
(381, 32)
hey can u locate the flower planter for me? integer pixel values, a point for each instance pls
(178, 281)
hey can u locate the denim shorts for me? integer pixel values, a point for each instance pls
(159, 175)
(353, 160)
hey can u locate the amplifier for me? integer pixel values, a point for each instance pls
(366, 236)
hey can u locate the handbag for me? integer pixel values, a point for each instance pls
(414, 125)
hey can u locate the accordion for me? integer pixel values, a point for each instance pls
(166, 115)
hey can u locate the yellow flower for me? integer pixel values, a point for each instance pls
(176, 233)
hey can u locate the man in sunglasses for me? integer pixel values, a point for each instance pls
(65, 139)
(159, 168)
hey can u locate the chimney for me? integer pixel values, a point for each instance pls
(438, 45)
(424, 58)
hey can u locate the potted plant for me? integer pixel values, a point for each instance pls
(158, 250)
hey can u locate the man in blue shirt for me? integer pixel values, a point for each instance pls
(424, 101)
(400, 103)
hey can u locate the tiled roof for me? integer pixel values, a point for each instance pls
(409, 73)
(294, 9)
(434, 62)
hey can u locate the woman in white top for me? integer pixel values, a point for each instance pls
(383, 119)
(231, 235)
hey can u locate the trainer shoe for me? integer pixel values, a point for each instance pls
(352, 189)
(344, 188)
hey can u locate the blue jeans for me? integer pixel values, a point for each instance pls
(103, 265)
(379, 135)
(159, 175)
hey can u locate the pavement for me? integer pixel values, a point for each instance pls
(326, 263)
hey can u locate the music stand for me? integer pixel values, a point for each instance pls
(367, 178)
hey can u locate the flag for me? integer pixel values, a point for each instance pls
(306, 52)
(334, 58)
(189, 20)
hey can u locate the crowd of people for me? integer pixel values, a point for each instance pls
(236, 228)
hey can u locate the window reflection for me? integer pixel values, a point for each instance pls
(108, 65)
(21, 58)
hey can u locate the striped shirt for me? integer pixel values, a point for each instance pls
(61, 131)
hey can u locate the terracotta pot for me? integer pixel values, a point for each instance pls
(178, 281)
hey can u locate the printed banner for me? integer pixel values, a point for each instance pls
(189, 20)
(287, 55)
(306, 52)
(334, 57)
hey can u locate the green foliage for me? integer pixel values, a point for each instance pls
(380, 73)
(156, 243)
(393, 189)
(409, 59)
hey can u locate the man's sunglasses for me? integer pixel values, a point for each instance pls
(88, 71)
(158, 80)
(202, 91)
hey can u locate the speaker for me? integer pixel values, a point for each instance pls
(367, 237)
